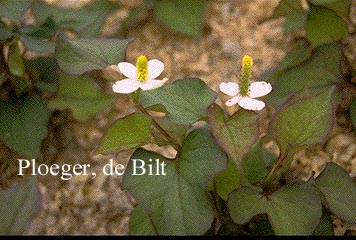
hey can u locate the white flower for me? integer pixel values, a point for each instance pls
(255, 90)
(143, 75)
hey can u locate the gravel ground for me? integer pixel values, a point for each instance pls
(233, 28)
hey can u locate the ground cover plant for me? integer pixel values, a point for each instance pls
(221, 180)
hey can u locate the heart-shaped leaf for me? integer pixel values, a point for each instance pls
(339, 191)
(321, 69)
(292, 210)
(23, 127)
(18, 205)
(81, 96)
(184, 16)
(297, 123)
(176, 203)
(81, 55)
(87, 21)
(324, 26)
(235, 134)
(126, 133)
(185, 100)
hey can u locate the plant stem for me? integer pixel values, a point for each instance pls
(136, 99)
(279, 167)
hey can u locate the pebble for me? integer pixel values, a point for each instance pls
(340, 141)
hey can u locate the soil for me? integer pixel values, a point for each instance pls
(232, 28)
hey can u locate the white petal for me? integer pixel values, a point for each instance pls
(251, 104)
(126, 86)
(152, 84)
(259, 89)
(230, 88)
(233, 101)
(128, 69)
(155, 68)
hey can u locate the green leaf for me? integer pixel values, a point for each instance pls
(294, 22)
(177, 203)
(35, 43)
(87, 21)
(235, 134)
(227, 181)
(185, 100)
(260, 226)
(22, 128)
(341, 7)
(292, 210)
(81, 55)
(177, 131)
(353, 112)
(127, 133)
(81, 96)
(46, 30)
(324, 26)
(4, 32)
(297, 123)
(18, 205)
(15, 61)
(325, 227)
(339, 191)
(18, 77)
(141, 222)
(255, 163)
(288, 8)
(14, 9)
(294, 58)
(322, 2)
(44, 71)
(321, 69)
(184, 16)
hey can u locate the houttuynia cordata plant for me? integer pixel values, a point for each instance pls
(222, 179)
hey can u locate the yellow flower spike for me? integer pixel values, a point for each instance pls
(142, 68)
(247, 61)
(246, 65)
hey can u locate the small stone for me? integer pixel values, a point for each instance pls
(340, 141)
(344, 158)
(351, 149)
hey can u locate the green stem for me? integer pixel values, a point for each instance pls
(136, 99)
(280, 166)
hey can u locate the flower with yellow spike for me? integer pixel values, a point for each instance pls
(244, 92)
(140, 76)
